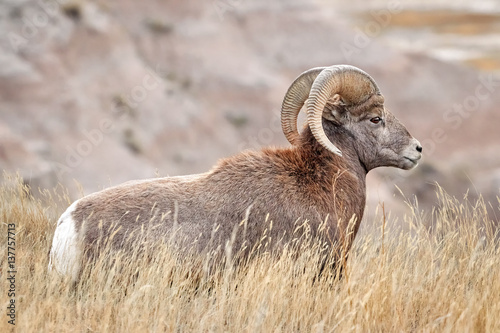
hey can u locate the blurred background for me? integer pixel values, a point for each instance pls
(100, 92)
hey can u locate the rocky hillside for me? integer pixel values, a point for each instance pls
(106, 91)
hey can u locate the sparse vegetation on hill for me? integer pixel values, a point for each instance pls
(441, 274)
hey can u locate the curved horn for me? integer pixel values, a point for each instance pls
(294, 99)
(351, 84)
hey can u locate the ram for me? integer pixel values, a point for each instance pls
(321, 179)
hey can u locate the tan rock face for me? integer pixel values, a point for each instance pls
(104, 93)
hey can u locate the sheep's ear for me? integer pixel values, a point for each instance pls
(335, 109)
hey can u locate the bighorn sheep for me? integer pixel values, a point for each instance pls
(320, 177)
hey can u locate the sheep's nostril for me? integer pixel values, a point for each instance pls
(419, 149)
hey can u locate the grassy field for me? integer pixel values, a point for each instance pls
(441, 274)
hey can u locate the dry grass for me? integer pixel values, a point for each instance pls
(440, 275)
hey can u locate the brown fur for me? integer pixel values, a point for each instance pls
(256, 193)
(303, 182)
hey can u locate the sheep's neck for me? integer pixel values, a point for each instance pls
(328, 161)
(344, 176)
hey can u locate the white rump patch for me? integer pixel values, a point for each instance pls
(65, 254)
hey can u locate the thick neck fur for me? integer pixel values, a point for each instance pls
(350, 160)
(344, 177)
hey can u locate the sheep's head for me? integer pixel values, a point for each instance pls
(349, 97)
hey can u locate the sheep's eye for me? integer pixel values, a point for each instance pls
(376, 120)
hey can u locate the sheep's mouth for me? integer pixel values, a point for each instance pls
(413, 161)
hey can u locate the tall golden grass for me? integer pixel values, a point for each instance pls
(441, 274)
